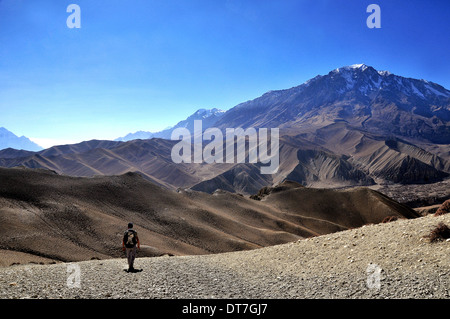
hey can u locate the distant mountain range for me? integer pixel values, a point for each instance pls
(352, 126)
(358, 95)
(10, 140)
(208, 116)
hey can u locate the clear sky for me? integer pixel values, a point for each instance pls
(146, 64)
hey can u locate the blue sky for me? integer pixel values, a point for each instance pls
(145, 64)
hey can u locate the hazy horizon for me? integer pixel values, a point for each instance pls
(148, 66)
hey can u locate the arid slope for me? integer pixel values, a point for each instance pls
(72, 218)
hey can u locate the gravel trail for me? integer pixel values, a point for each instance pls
(340, 265)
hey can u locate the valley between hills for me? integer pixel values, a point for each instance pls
(364, 164)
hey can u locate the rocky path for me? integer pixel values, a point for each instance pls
(390, 260)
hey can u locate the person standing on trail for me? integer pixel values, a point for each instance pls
(129, 242)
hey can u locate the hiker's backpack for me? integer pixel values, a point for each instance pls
(130, 238)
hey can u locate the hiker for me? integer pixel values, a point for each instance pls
(129, 242)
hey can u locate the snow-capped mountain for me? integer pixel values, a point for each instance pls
(208, 116)
(10, 140)
(352, 126)
(139, 135)
(366, 80)
(377, 101)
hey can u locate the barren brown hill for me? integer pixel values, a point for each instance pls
(382, 158)
(151, 158)
(242, 178)
(70, 219)
(354, 126)
(317, 208)
(333, 156)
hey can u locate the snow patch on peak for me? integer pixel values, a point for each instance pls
(205, 113)
(416, 91)
(349, 79)
(431, 89)
(307, 83)
(377, 83)
(200, 111)
(361, 66)
(384, 73)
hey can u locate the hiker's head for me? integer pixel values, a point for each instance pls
(130, 225)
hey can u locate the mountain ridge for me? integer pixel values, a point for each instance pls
(10, 140)
(208, 116)
(379, 102)
(330, 136)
